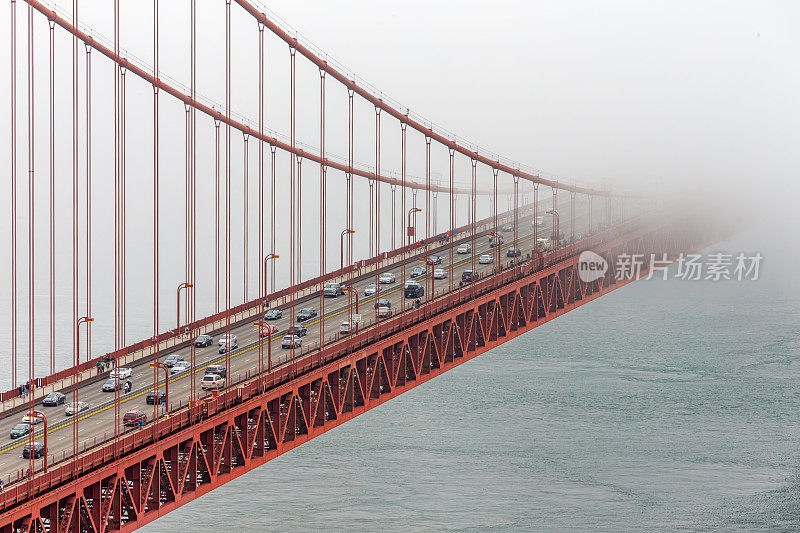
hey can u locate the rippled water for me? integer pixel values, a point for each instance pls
(664, 405)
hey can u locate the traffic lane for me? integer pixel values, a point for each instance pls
(248, 334)
(242, 364)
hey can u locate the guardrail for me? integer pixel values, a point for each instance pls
(171, 340)
(97, 450)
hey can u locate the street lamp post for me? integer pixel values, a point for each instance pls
(38, 414)
(556, 226)
(412, 229)
(272, 256)
(347, 231)
(166, 385)
(182, 286)
(81, 320)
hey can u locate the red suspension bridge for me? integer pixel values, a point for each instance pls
(403, 290)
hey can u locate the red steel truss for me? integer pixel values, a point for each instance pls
(120, 487)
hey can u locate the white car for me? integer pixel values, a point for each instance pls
(122, 372)
(384, 311)
(345, 328)
(485, 259)
(372, 289)
(180, 366)
(76, 407)
(387, 277)
(439, 273)
(32, 419)
(224, 339)
(291, 341)
(212, 381)
(464, 249)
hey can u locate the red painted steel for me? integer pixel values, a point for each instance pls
(122, 486)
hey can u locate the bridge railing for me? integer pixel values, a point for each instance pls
(171, 340)
(99, 449)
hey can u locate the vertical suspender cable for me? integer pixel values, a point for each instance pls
(75, 287)
(536, 218)
(227, 184)
(406, 240)
(452, 218)
(13, 193)
(495, 236)
(429, 275)
(123, 217)
(292, 193)
(88, 200)
(155, 211)
(516, 215)
(216, 215)
(428, 212)
(117, 214)
(349, 215)
(262, 279)
(52, 200)
(31, 228)
(191, 302)
(572, 215)
(323, 198)
(474, 226)
(193, 163)
(245, 198)
(272, 214)
(394, 210)
(377, 221)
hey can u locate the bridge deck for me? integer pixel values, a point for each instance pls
(97, 424)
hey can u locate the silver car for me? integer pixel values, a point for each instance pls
(76, 407)
(372, 289)
(486, 259)
(291, 341)
(180, 366)
(387, 277)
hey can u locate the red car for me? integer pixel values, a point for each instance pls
(134, 418)
(269, 330)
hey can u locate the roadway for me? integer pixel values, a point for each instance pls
(98, 421)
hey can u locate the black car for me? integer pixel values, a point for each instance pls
(162, 397)
(203, 340)
(306, 314)
(435, 259)
(53, 399)
(297, 329)
(383, 302)
(417, 272)
(20, 430)
(220, 370)
(468, 276)
(413, 290)
(513, 252)
(36, 449)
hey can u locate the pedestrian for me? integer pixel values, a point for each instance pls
(113, 360)
(1, 485)
(98, 365)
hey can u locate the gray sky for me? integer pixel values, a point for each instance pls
(641, 96)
